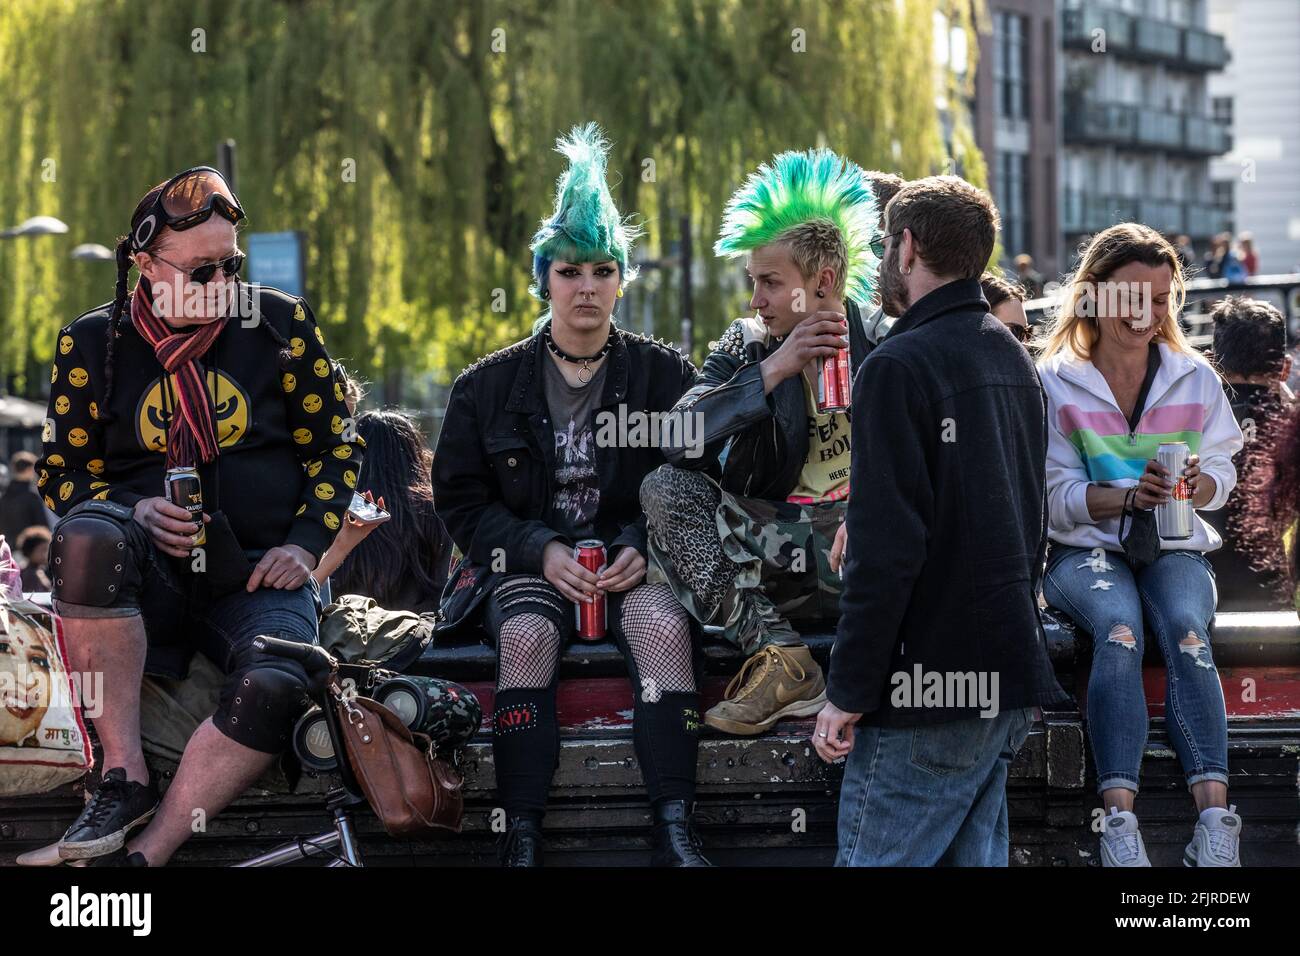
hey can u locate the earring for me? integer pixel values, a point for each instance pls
(620, 292)
(821, 294)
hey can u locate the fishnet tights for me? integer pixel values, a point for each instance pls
(658, 635)
(656, 632)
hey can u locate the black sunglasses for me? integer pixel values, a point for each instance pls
(1021, 332)
(878, 245)
(203, 274)
(185, 201)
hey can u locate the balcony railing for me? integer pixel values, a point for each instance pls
(1090, 212)
(1206, 136)
(1205, 50)
(1162, 215)
(1184, 48)
(1090, 121)
(1079, 26)
(1201, 221)
(1158, 39)
(1158, 129)
(1087, 212)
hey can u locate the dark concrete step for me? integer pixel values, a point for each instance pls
(1238, 638)
(743, 821)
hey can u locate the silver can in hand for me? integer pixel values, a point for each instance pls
(1174, 518)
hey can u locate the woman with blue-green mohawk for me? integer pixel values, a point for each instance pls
(544, 444)
(762, 546)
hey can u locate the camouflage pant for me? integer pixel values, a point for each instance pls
(747, 564)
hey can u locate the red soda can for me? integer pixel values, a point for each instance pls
(590, 616)
(846, 376)
(834, 383)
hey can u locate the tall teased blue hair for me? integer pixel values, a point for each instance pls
(586, 225)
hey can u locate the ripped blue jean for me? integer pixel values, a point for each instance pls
(1174, 599)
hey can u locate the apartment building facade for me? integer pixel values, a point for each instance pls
(1092, 112)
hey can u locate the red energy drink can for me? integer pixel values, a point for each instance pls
(184, 489)
(590, 617)
(834, 382)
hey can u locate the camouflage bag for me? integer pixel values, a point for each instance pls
(354, 629)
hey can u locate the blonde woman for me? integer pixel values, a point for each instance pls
(1121, 379)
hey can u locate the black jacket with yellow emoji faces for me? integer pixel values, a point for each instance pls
(289, 455)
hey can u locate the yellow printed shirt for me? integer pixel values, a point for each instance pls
(289, 458)
(825, 473)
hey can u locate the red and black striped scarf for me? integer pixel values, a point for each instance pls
(191, 437)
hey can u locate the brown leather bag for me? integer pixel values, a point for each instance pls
(412, 791)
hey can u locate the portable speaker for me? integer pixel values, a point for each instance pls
(312, 744)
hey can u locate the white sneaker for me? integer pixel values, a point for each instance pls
(1121, 841)
(1216, 841)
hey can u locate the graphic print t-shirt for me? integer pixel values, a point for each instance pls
(825, 473)
(577, 489)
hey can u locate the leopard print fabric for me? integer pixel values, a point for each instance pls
(680, 508)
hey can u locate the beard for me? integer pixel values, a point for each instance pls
(893, 287)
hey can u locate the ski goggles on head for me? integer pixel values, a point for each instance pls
(185, 201)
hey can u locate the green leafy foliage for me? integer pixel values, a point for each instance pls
(413, 142)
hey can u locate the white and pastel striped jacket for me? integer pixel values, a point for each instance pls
(1089, 441)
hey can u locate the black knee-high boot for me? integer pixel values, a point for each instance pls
(666, 735)
(526, 749)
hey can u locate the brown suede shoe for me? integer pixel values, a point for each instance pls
(776, 682)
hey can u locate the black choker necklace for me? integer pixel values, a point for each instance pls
(584, 373)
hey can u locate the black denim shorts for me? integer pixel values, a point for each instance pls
(181, 616)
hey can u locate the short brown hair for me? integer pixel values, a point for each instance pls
(998, 290)
(884, 186)
(815, 245)
(953, 224)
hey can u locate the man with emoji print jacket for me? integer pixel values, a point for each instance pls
(279, 461)
(286, 465)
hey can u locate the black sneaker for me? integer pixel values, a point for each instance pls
(115, 809)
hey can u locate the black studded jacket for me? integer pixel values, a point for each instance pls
(765, 437)
(494, 468)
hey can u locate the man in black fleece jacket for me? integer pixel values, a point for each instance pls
(939, 657)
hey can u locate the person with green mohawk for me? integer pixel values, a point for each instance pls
(526, 468)
(758, 548)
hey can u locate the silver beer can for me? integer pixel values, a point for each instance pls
(1174, 518)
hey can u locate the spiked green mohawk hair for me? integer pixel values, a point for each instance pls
(586, 225)
(799, 187)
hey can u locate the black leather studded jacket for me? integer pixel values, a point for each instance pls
(764, 437)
